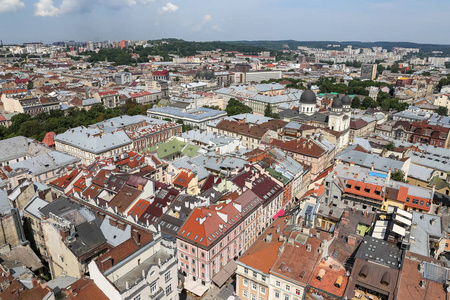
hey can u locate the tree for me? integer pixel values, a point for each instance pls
(398, 175)
(390, 147)
(442, 110)
(236, 107)
(268, 111)
(30, 85)
(369, 102)
(356, 102)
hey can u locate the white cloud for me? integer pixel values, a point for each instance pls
(216, 28)
(47, 8)
(169, 8)
(207, 18)
(10, 5)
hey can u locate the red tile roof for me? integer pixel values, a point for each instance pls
(49, 139)
(301, 146)
(84, 289)
(183, 178)
(364, 189)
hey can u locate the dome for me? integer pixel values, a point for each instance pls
(337, 103)
(205, 74)
(346, 100)
(308, 97)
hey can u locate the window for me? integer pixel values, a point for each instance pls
(193, 250)
(245, 282)
(138, 297)
(202, 254)
(298, 292)
(263, 278)
(263, 290)
(255, 274)
(203, 265)
(288, 288)
(277, 294)
(168, 289)
(153, 287)
(254, 287)
(245, 270)
(286, 297)
(253, 297)
(167, 276)
(277, 283)
(193, 261)
(244, 293)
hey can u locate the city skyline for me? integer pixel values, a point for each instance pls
(81, 20)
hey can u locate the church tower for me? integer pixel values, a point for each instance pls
(308, 102)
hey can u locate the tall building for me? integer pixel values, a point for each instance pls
(368, 71)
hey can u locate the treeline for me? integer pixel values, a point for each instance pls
(355, 87)
(165, 48)
(115, 55)
(59, 121)
(295, 83)
(186, 48)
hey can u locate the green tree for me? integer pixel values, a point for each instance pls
(356, 102)
(236, 107)
(268, 111)
(369, 102)
(442, 110)
(390, 147)
(398, 175)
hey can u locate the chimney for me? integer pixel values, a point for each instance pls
(268, 238)
(121, 225)
(389, 174)
(137, 237)
(64, 233)
(144, 123)
(113, 222)
(35, 281)
(373, 167)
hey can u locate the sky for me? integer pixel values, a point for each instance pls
(422, 21)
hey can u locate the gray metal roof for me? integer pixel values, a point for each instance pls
(44, 163)
(198, 114)
(91, 140)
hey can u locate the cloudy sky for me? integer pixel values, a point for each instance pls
(203, 20)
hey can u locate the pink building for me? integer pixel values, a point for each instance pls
(214, 236)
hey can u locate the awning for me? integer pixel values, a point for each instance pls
(279, 214)
(195, 287)
(227, 271)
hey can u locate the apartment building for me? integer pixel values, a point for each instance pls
(213, 236)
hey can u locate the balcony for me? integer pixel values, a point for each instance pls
(158, 294)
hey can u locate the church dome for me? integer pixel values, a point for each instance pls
(205, 74)
(308, 97)
(346, 100)
(337, 103)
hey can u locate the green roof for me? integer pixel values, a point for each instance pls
(333, 93)
(362, 229)
(190, 150)
(440, 183)
(277, 175)
(322, 94)
(174, 146)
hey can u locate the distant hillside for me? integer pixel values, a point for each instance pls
(278, 45)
